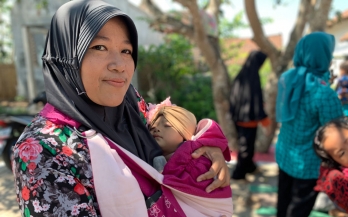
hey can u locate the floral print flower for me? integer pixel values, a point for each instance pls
(25, 193)
(79, 188)
(48, 128)
(31, 166)
(29, 149)
(66, 150)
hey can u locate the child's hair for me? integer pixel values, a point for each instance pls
(344, 66)
(328, 161)
(181, 119)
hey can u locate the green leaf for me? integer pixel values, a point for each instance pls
(67, 131)
(57, 131)
(53, 151)
(62, 137)
(23, 166)
(73, 170)
(26, 212)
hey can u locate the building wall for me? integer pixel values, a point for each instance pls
(25, 14)
(338, 30)
(341, 48)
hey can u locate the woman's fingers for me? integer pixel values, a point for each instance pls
(218, 170)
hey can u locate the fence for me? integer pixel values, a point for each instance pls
(8, 82)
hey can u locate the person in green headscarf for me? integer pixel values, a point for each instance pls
(305, 102)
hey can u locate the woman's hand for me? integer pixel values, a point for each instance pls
(218, 168)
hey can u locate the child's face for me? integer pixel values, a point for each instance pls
(336, 144)
(343, 72)
(165, 135)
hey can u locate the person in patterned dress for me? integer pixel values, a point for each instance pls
(89, 59)
(305, 102)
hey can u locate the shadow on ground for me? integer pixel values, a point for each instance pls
(8, 202)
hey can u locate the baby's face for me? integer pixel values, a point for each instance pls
(166, 136)
(336, 144)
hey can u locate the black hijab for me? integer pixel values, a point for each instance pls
(246, 103)
(72, 29)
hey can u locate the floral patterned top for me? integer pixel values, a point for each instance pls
(53, 173)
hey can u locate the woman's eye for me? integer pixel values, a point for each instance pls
(127, 51)
(99, 47)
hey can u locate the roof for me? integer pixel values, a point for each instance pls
(344, 16)
(247, 45)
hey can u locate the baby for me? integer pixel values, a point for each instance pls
(176, 131)
(331, 144)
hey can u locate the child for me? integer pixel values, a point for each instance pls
(331, 145)
(342, 86)
(170, 125)
(176, 131)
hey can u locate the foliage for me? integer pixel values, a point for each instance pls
(161, 68)
(5, 33)
(196, 96)
(227, 28)
(169, 70)
(6, 44)
(265, 71)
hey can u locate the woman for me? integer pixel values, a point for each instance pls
(305, 102)
(88, 63)
(247, 111)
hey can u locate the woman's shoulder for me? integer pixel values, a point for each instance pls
(44, 137)
(42, 128)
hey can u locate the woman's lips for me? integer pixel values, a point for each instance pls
(116, 82)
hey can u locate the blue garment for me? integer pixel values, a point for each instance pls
(294, 149)
(305, 102)
(312, 58)
(342, 89)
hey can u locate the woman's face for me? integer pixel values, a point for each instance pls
(336, 144)
(108, 67)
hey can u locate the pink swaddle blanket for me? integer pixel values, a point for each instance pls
(122, 179)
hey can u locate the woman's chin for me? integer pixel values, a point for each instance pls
(110, 103)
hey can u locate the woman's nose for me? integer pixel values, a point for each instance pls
(117, 63)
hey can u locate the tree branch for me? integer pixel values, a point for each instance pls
(164, 22)
(214, 9)
(296, 34)
(259, 36)
(320, 16)
(200, 35)
(150, 8)
(168, 24)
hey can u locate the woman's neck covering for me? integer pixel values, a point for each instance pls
(312, 58)
(72, 29)
(246, 101)
(181, 119)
